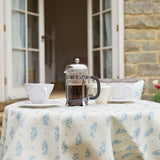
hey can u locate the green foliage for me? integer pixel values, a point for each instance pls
(156, 98)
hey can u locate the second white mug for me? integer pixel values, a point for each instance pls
(106, 92)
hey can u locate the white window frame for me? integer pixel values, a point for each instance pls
(2, 88)
(117, 45)
(12, 93)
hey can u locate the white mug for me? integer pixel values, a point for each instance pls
(106, 92)
(38, 93)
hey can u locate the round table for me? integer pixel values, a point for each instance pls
(129, 131)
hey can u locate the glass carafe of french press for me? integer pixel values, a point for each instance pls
(77, 83)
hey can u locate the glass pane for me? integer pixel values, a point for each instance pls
(107, 63)
(18, 4)
(33, 31)
(18, 30)
(96, 63)
(33, 6)
(106, 4)
(18, 68)
(96, 32)
(107, 29)
(33, 67)
(95, 6)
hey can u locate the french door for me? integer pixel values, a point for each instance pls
(24, 46)
(104, 58)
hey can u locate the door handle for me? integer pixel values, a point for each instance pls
(44, 38)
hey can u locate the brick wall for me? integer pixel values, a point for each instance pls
(142, 41)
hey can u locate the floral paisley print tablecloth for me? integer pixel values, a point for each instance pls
(128, 131)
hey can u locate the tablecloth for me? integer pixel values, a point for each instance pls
(129, 131)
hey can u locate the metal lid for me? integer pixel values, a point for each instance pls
(76, 68)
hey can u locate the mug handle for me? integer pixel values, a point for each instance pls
(44, 90)
(98, 87)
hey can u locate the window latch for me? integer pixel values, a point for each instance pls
(117, 28)
(4, 28)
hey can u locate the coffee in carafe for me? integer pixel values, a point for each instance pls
(77, 80)
(75, 94)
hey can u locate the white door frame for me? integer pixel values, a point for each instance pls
(2, 88)
(120, 47)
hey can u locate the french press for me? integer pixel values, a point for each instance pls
(77, 83)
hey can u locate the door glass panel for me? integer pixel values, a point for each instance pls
(18, 4)
(96, 63)
(18, 29)
(18, 68)
(107, 29)
(107, 63)
(33, 6)
(33, 67)
(95, 6)
(106, 4)
(96, 32)
(33, 32)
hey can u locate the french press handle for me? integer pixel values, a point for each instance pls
(98, 87)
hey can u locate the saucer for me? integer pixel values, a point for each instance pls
(121, 101)
(49, 103)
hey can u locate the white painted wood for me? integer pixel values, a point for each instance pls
(33, 14)
(2, 88)
(114, 40)
(25, 11)
(107, 10)
(90, 56)
(95, 14)
(121, 38)
(41, 43)
(8, 48)
(101, 39)
(19, 10)
(26, 40)
(29, 49)
(107, 48)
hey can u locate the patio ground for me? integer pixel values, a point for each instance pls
(58, 94)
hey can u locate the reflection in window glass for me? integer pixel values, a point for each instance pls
(107, 63)
(106, 4)
(96, 32)
(33, 67)
(95, 6)
(18, 4)
(96, 63)
(33, 6)
(18, 68)
(33, 32)
(107, 29)
(18, 30)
